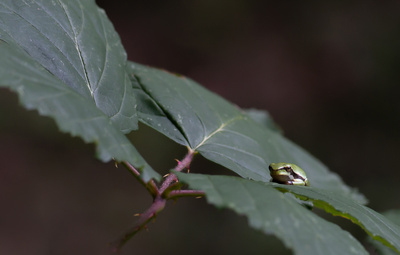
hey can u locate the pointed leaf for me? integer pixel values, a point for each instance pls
(275, 213)
(64, 59)
(193, 116)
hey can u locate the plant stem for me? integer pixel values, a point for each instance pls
(151, 213)
(150, 186)
(167, 190)
(181, 165)
(185, 193)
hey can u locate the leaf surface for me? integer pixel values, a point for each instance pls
(264, 119)
(375, 224)
(74, 41)
(65, 59)
(195, 117)
(276, 213)
(394, 216)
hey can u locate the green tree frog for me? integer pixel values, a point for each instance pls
(287, 173)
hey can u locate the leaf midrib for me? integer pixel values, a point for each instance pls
(220, 129)
(75, 40)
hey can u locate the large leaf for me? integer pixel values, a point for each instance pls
(376, 225)
(65, 59)
(273, 212)
(74, 41)
(394, 216)
(193, 116)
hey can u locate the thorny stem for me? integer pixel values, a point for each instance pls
(181, 165)
(160, 198)
(150, 186)
(185, 193)
(151, 213)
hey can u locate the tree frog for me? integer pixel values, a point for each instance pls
(287, 173)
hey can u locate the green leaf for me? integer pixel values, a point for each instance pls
(394, 216)
(195, 117)
(376, 225)
(65, 59)
(74, 41)
(276, 213)
(264, 119)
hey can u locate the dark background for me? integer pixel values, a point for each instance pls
(327, 71)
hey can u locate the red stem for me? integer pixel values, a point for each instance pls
(160, 198)
(150, 186)
(185, 193)
(151, 213)
(181, 165)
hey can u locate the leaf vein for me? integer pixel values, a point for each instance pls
(219, 129)
(75, 40)
(106, 56)
(241, 166)
(44, 36)
(236, 149)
